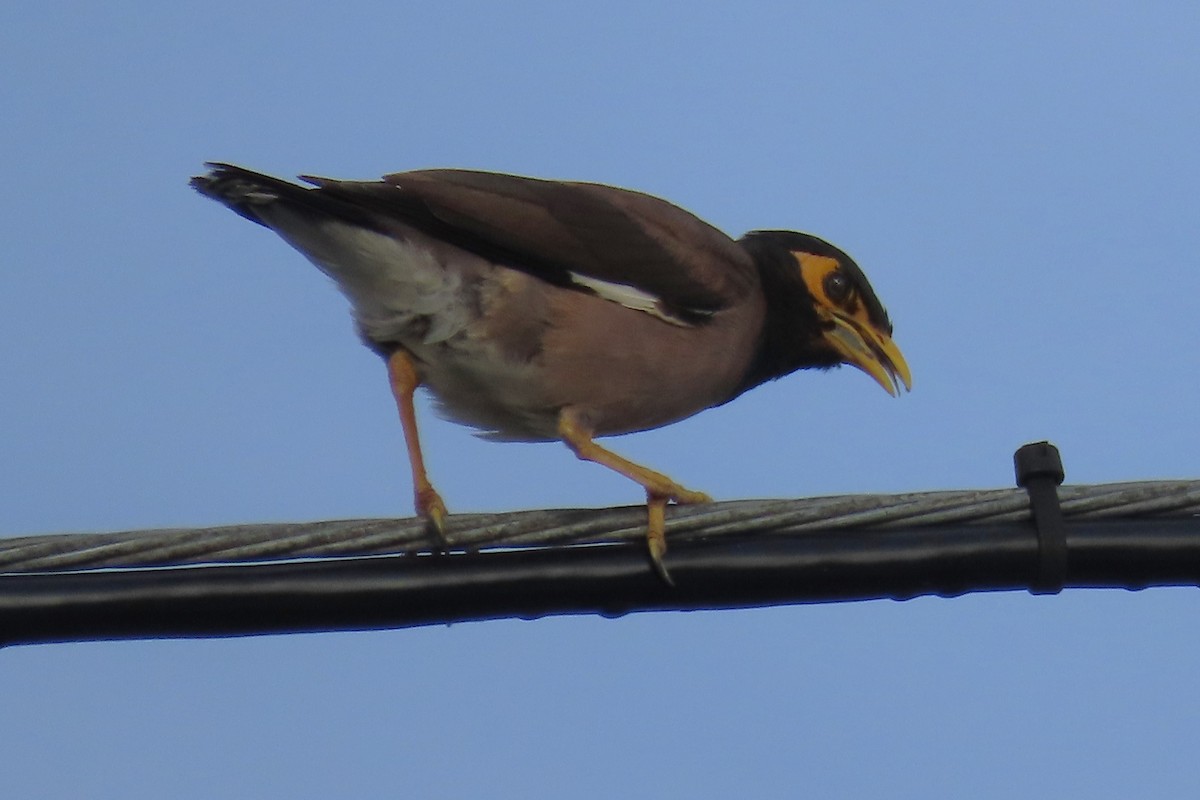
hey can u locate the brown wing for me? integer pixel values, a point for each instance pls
(553, 229)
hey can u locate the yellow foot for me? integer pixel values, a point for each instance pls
(684, 496)
(430, 506)
(656, 533)
(660, 490)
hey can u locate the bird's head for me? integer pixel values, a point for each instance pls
(821, 311)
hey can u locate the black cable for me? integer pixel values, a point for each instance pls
(724, 572)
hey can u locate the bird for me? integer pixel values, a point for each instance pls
(544, 310)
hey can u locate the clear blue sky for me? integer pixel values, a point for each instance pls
(1019, 180)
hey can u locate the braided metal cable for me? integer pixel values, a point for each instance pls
(345, 538)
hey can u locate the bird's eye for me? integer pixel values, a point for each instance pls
(837, 286)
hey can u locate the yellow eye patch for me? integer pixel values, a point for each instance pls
(821, 275)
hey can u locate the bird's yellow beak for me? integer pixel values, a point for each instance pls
(871, 351)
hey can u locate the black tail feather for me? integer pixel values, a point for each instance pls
(250, 193)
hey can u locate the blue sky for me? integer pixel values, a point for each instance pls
(1019, 180)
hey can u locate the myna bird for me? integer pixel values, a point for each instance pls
(536, 310)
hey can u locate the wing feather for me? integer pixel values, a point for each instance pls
(576, 234)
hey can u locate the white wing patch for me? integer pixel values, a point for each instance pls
(628, 296)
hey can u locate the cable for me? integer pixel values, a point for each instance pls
(341, 538)
(725, 572)
(369, 574)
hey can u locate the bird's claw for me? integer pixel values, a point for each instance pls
(683, 496)
(657, 498)
(658, 548)
(670, 492)
(430, 505)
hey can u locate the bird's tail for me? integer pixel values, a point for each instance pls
(252, 194)
(343, 228)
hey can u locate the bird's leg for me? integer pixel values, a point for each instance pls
(660, 489)
(402, 373)
(578, 437)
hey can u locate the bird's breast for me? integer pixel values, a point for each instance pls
(536, 349)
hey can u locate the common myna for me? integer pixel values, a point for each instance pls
(538, 310)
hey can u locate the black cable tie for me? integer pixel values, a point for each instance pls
(1039, 471)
